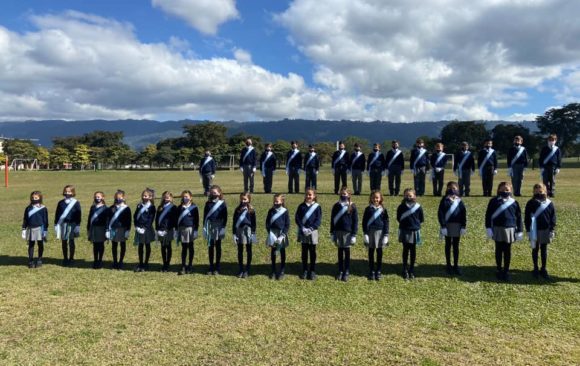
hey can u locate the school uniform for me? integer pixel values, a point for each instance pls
(504, 225)
(463, 167)
(244, 232)
(268, 164)
(143, 219)
(97, 232)
(517, 162)
(311, 167)
(438, 162)
(277, 227)
(215, 217)
(357, 167)
(187, 229)
(34, 230)
(207, 167)
(410, 218)
(376, 165)
(452, 217)
(375, 226)
(340, 165)
(540, 223)
(419, 164)
(67, 221)
(293, 165)
(343, 229)
(487, 165)
(308, 219)
(550, 161)
(119, 228)
(395, 166)
(248, 167)
(166, 225)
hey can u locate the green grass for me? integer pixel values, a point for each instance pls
(56, 315)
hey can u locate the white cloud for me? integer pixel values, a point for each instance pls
(204, 15)
(243, 56)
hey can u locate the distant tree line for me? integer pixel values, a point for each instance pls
(104, 149)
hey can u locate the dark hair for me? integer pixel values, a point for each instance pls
(219, 189)
(36, 193)
(72, 189)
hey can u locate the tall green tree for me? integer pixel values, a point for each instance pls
(82, 156)
(59, 156)
(24, 149)
(564, 122)
(456, 132)
(503, 138)
(206, 135)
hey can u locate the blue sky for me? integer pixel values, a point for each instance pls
(394, 60)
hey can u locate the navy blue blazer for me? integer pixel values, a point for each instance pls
(411, 222)
(459, 216)
(397, 165)
(40, 218)
(382, 223)
(348, 222)
(250, 159)
(191, 219)
(146, 219)
(220, 216)
(545, 221)
(296, 163)
(358, 164)
(379, 164)
(433, 160)
(282, 223)
(313, 221)
(469, 163)
(74, 215)
(492, 161)
(555, 160)
(511, 217)
(169, 222)
(270, 165)
(523, 159)
(313, 165)
(124, 219)
(249, 220)
(101, 220)
(207, 169)
(423, 161)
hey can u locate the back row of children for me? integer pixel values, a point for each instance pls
(376, 165)
(170, 222)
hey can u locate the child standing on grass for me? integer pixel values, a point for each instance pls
(343, 230)
(165, 224)
(540, 222)
(187, 226)
(376, 233)
(452, 217)
(143, 219)
(119, 227)
(215, 217)
(503, 222)
(244, 232)
(277, 226)
(410, 218)
(35, 227)
(67, 221)
(308, 218)
(97, 228)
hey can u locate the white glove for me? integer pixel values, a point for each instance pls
(353, 240)
(306, 231)
(385, 240)
(127, 233)
(195, 234)
(387, 172)
(241, 169)
(510, 172)
(175, 234)
(77, 231)
(235, 238)
(108, 235)
(140, 230)
(212, 176)
(254, 170)
(552, 235)
(161, 233)
(519, 236)
(463, 231)
(366, 239)
(489, 232)
(279, 240)
(495, 172)
(44, 234)
(438, 170)
(443, 231)
(253, 239)
(317, 172)
(222, 233)
(557, 171)
(24, 234)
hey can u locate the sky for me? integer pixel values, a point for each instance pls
(254, 60)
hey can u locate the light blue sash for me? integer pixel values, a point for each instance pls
(310, 212)
(116, 215)
(452, 209)
(339, 157)
(291, 158)
(485, 160)
(34, 210)
(66, 211)
(241, 218)
(96, 214)
(165, 211)
(277, 215)
(310, 158)
(214, 209)
(421, 153)
(268, 156)
(143, 209)
(534, 225)
(550, 155)
(502, 208)
(520, 152)
(440, 156)
(374, 217)
(410, 211)
(397, 153)
(463, 161)
(355, 159)
(209, 158)
(377, 155)
(250, 149)
(340, 214)
(185, 213)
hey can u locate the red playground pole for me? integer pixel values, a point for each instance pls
(6, 171)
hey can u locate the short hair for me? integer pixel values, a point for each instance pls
(219, 189)
(541, 186)
(553, 136)
(72, 189)
(439, 144)
(504, 185)
(281, 197)
(452, 184)
(395, 142)
(36, 193)
(487, 140)
(419, 141)
(356, 144)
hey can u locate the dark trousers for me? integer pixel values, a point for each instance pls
(68, 249)
(268, 179)
(394, 184)
(311, 179)
(282, 259)
(214, 251)
(517, 178)
(438, 181)
(449, 243)
(419, 180)
(241, 257)
(308, 251)
(487, 180)
(187, 252)
(344, 260)
(147, 247)
(409, 253)
(248, 171)
(503, 251)
(356, 176)
(544, 253)
(339, 177)
(31, 249)
(375, 176)
(549, 179)
(206, 182)
(375, 265)
(98, 251)
(465, 182)
(114, 248)
(293, 181)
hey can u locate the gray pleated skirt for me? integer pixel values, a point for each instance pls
(97, 234)
(310, 239)
(375, 239)
(244, 235)
(543, 237)
(409, 236)
(147, 237)
(504, 234)
(284, 243)
(343, 239)
(67, 231)
(453, 230)
(167, 239)
(185, 234)
(118, 234)
(34, 233)
(213, 231)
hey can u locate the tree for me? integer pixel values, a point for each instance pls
(164, 156)
(325, 151)
(81, 156)
(43, 156)
(206, 135)
(349, 142)
(503, 138)
(25, 149)
(59, 156)
(148, 154)
(564, 122)
(456, 132)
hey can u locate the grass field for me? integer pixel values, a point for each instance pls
(57, 315)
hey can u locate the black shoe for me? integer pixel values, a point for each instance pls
(499, 274)
(536, 273)
(378, 276)
(137, 269)
(182, 271)
(371, 276)
(411, 275)
(449, 269)
(457, 271)
(345, 276)
(304, 275)
(273, 275)
(115, 265)
(216, 273)
(65, 263)
(545, 274)
(38, 263)
(245, 274)
(188, 269)
(145, 268)
(312, 276)
(507, 277)
(241, 274)
(280, 275)
(405, 275)
(339, 276)
(31, 264)
(120, 266)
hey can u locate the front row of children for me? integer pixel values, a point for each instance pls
(169, 222)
